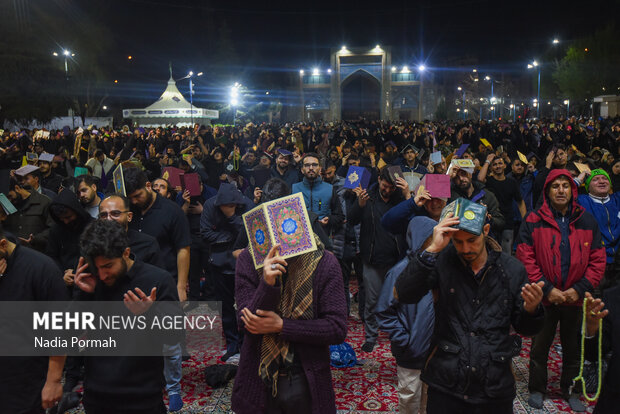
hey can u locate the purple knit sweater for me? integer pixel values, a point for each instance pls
(311, 338)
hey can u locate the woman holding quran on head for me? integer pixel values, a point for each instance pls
(291, 307)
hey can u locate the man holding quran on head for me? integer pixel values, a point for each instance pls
(482, 293)
(291, 307)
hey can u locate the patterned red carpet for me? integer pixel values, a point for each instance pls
(367, 388)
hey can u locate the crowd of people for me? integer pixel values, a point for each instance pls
(446, 296)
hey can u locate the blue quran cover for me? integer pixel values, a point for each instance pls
(357, 176)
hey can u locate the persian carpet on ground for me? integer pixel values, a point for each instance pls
(367, 388)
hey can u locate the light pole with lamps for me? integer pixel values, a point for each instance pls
(66, 55)
(567, 103)
(191, 94)
(421, 69)
(492, 100)
(535, 64)
(234, 100)
(462, 99)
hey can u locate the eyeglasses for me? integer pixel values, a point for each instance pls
(113, 214)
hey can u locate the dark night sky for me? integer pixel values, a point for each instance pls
(272, 36)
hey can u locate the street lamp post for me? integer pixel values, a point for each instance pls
(421, 69)
(66, 55)
(488, 78)
(234, 100)
(189, 76)
(567, 103)
(462, 100)
(535, 64)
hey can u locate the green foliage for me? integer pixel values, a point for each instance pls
(583, 74)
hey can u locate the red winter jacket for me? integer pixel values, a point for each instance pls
(539, 246)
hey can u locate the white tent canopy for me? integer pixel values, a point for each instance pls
(170, 109)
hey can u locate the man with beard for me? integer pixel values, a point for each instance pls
(462, 185)
(113, 384)
(506, 190)
(320, 197)
(283, 170)
(87, 192)
(165, 221)
(379, 249)
(143, 246)
(49, 179)
(482, 292)
(409, 162)
(29, 384)
(29, 176)
(32, 222)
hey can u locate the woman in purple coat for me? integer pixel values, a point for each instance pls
(290, 312)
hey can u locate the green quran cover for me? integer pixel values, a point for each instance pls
(472, 215)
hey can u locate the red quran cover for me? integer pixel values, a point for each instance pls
(173, 175)
(283, 221)
(191, 183)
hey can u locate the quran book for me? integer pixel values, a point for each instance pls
(283, 221)
(486, 143)
(356, 177)
(395, 172)
(173, 175)
(522, 157)
(119, 181)
(459, 153)
(413, 179)
(472, 215)
(191, 183)
(464, 164)
(6, 205)
(80, 171)
(436, 184)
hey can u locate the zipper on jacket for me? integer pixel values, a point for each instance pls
(608, 226)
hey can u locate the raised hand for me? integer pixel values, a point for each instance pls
(594, 313)
(422, 197)
(274, 266)
(138, 302)
(442, 233)
(83, 280)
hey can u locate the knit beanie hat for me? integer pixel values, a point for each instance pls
(594, 173)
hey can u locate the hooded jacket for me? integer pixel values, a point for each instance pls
(410, 326)
(219, 231)
(64, 241)
(539, 241)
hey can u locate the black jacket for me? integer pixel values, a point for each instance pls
(32, 217)
(377, 246)
(64, 241)
(472, 355)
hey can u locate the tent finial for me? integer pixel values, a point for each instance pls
(170, 67)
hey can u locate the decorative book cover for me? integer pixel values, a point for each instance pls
(438, 185)
(119, 180)
(173, 175)
(283, 221)
(472, 215)
(395, 172)
(357, 176)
